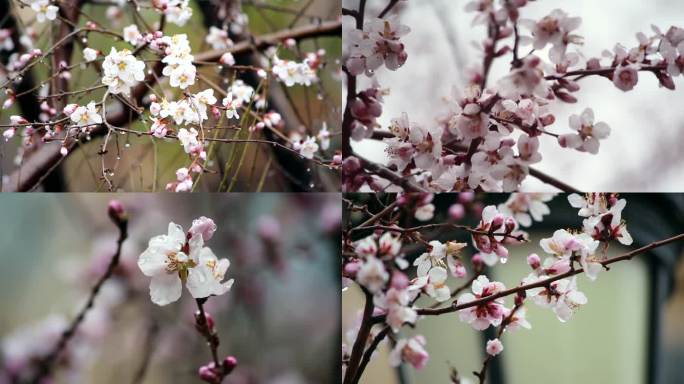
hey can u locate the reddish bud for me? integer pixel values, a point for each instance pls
(547, 120)
(229, 363)
(497, 222)
(519, 298)
(510, 224)
(399, 280)
(566, 97)
(477, 261)
(457, 212)
(466, 197)
(208, 374)
(198, 322)
(534, 261)
(116, 211)
(593, 63)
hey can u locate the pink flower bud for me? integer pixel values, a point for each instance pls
(612, 199)
(9, 133)
(593, 63)
(204, 227)
(509, 224)
(198, 322)
(457, 212)
(206, 373)
(269, 229)
(70, 108)
(477, 261)
(547, 120)
(497, 222)
(399, 280)
(351, 166)
(566, 97)
(351, 268)
(229, 363)
(519, 298)
(534, 261)
(9, 102)
(337, 158)
(466, 197)
(116, 210)
(227, 59)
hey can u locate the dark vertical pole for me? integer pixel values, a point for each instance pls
(495, 373)
(658, 293)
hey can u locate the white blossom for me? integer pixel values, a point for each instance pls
(122, 71)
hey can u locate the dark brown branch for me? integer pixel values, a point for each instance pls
(388, 8)
(386, 173)
(542, 283)
(326, 28)
(438, 225)
(209, 334)
(369, 353)
(602, 71)
(553, 181)
(361, 338)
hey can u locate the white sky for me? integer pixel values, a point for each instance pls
(643, 152)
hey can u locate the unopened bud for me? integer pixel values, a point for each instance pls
(457, 212)
(510, 224)
(534, 261)
(116, 211)
(497, 222)
(198, 322)
(208, 374)
(229, 363)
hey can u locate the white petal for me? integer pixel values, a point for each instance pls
(200, 282)
(152, 262)
(176, 232)
(165, 288)
(576, 201)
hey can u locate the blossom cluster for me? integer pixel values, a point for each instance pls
(179, 258)
(178, 60)
(122, 71)
(291, 72)
(380, 264)
(185, 105)
(376, 44)
(488, 138)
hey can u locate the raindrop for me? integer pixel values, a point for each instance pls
(311, 185)
(127, 145)
(308, 170)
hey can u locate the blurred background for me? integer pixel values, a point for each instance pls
(643, 152)
(141, 164)
(281, 318)
(629, 332)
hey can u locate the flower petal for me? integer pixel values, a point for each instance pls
(165, 288)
